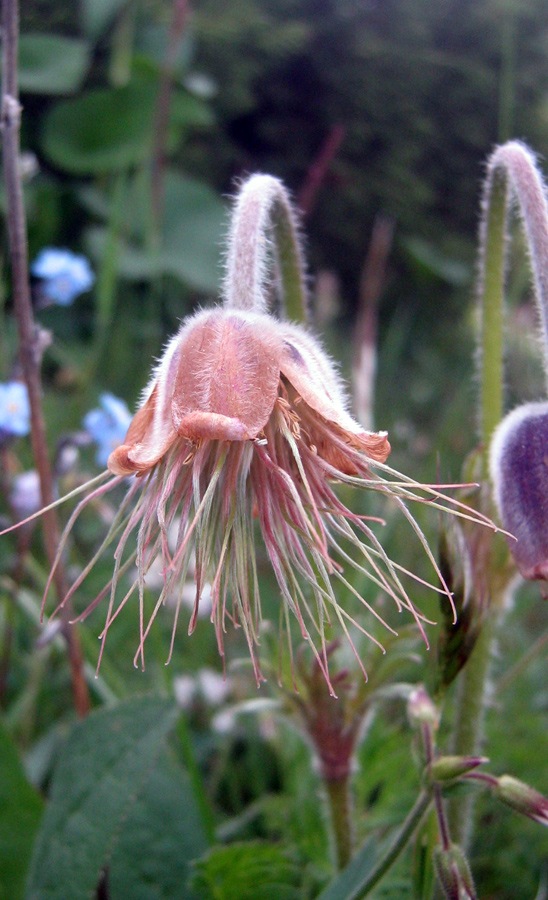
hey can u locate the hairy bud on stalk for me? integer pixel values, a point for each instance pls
(522, 798)
(421, 710)
(445, 769)
(245, 422)
(454, 873)
(519, 469)
(519, 455)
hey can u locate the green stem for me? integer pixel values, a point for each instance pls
(339, 802)
(290, 263)
(512, 170)
(472, 686)
(469, 720)
(363, 887)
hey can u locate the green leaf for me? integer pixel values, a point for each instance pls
(190, 111)
(347, 885)
(162, 835)
(52, 64)
(154, 42)
(194, 221)
(20, 812)
(193, 228)
(102, 131)
(246, 871)
(100, 772)
(436, 264)
(96, 15)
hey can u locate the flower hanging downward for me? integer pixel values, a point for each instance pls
(245, 421)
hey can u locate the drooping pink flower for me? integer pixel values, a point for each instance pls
(244, 428)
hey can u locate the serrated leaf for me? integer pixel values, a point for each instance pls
(52, 64)
(163, 833)
(102, 131)
(100, 772)
(20, 813)
(246, 871)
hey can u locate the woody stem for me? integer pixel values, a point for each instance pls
(28, 336)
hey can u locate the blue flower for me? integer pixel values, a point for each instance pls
(107, 426)
(64, 275)
(25, 496)
(14, 409)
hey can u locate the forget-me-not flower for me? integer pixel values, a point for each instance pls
(107, 426)
(25, 496)
(14, 409)
(64, 275)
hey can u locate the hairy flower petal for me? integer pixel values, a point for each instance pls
(229, 369)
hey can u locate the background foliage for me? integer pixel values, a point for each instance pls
(420, 93)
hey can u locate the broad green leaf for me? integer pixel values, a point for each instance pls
(153, 41)
(193, 228)
(100, 772)
(194, 220)
(101, 131)
(190, 111)
(20, 812)
(52, 64)
(162, 835)
(246, 871)
(96, 15)
(347, 885)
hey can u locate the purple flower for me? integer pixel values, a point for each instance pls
(107, 426)
(14, 409)
(64, 275)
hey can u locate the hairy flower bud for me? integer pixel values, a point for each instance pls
(454, 873)
(448, 768)
(522, 798)
(519, 471)
(421, 710)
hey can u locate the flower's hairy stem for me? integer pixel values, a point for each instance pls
(11, 120)
(492, 238)
(264, 232)
(512, 174)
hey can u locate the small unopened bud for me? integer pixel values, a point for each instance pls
(421, 710)
(447, 768)
(519, 471)
(454, 873)
(460, 558)
(522, 798)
